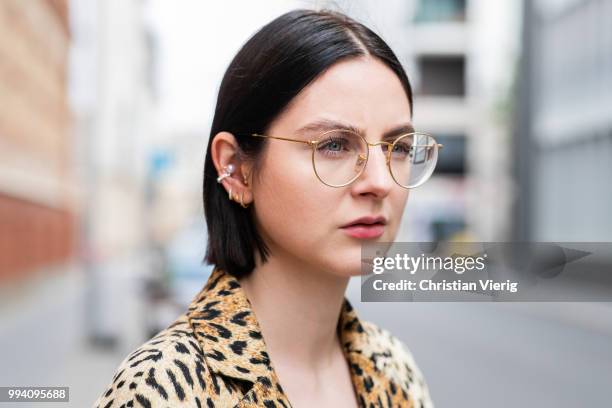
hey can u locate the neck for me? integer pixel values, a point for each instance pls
(298, 309)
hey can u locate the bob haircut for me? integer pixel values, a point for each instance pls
(270, 69)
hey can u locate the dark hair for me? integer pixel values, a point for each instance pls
(270, 69)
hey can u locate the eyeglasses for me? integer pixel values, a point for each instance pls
(340, 156)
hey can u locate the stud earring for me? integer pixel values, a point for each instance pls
(229, 169)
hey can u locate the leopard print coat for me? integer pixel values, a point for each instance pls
(215, 356)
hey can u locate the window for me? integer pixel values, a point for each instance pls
(442, 76)
(451, 159)
(440, 10)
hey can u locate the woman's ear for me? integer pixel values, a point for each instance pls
(232, 171)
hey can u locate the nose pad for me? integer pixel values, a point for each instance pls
(387, 152)
(359, 164)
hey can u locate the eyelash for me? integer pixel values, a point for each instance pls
(325, 143)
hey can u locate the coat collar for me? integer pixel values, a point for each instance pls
(229, 333)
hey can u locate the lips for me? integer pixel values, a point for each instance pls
(366, 227)
(367, 220)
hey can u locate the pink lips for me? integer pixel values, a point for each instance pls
(366, 227)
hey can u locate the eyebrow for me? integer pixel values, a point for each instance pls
(323, 125)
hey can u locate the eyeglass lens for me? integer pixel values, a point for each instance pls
(340, 157)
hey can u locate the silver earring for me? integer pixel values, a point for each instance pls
(229, 169)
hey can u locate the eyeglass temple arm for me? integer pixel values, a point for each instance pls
(311, 142)
(284, 138)
(439, 145)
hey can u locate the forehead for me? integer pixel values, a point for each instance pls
(362, 92)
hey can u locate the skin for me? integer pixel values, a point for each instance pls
(300, 219)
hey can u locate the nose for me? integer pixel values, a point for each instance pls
(375, 179)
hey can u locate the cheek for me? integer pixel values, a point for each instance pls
(292, 207)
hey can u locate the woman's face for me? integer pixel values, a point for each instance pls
(301, 218)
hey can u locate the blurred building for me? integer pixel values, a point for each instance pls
(564, 132)
(460, 58)
(77, 187)
(39, 190)
(113, 97)
(37, 180)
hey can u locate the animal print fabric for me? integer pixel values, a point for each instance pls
(214, 355)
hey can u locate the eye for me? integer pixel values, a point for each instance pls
(333, 144)
(402, 148)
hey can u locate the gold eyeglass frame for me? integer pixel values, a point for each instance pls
(313, 144)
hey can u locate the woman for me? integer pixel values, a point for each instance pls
(289, 201)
